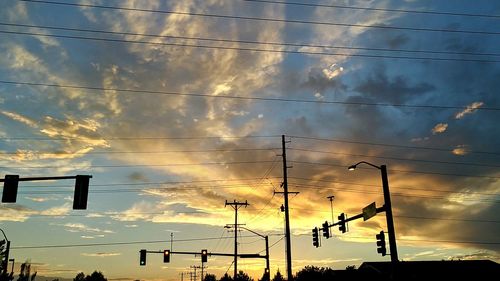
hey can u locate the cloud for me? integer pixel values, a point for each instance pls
(460, 150)
(101, 254)
(469, 110)
(20, 118)
(80, 227)
(439, 128)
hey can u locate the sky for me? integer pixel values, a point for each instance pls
(175, 107)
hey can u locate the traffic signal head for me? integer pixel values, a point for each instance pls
(81, 192)
(315, 237)
(166, 256)
(326, 230)
(10, 185)
(381, 243)
(142, 258)
(341, 222)
(204, 255)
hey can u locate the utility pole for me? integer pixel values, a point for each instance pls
(287, 213)
(388, 213)
(236, 205)
(171, 241)
(194, 275)
(331, 197)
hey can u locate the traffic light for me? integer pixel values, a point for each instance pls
(342, 223)
(81, 192)
(381, 243)
(10, 185)
(326, 230)
(315, 237)
(142, 257)
(204, 256)
(166, 256)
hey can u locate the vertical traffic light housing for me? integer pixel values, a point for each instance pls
(326, 230)
(315, 237)
(81, 192)
(204, 256)
(10, 184)
(166, 256)
(381, 243)
(341, 223)
(142, 257)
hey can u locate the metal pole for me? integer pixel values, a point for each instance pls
(13, 262)
(268, 271)
(235, 242)
(287, 213)
(388, 214)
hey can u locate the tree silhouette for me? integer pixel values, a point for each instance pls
(210, 277)
(226, 278)
(315, 273)
(242, 276)
(95, 276)
(278, 276)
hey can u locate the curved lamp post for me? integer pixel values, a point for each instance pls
(266, 238)
(387, 208)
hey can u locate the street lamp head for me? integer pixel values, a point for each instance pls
(352, 168)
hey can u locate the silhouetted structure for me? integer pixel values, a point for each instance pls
(431, 270)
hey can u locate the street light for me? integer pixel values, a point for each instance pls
(387, 208)
(266, 238)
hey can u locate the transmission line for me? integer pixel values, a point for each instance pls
(291, 3)
(422, 106)
(274, 20)
(255, 42)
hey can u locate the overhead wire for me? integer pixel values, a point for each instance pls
(388, 144)
(273, 20)
(299, 52)
(168, 93)
(397, 158)
(407, 11)
(219, 40)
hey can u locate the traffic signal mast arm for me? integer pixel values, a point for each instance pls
(358, 216)
(46, 178)
(210, 254)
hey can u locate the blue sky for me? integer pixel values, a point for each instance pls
(141, 99)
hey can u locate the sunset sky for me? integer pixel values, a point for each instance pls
(175, 107)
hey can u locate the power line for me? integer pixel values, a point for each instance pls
(396, 187)
(126, 243)
(351, 190)
(419, 240)
(391, 145)
(143, 152)
(397, 158)
(423, 106)
(375, 9)
(398, 171)
(448, 219)
(280, 44)
(144, 165)
(144, 138)
(161, 183)
(274, 20)
(299, 52)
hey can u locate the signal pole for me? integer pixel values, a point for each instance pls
(287, 213)
(236, 205)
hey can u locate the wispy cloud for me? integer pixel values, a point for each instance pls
(439, 128)
(101, 255)
(469, 110)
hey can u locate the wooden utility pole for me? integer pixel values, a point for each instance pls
(236, 205)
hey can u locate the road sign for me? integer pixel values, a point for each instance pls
(369, 211)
